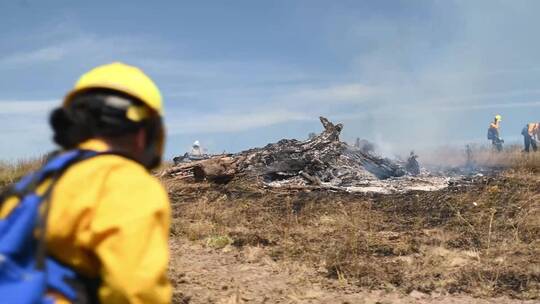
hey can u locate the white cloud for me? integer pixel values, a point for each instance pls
(42, 55)
(231, 122)
(27, 106)
(25, 131)
(301, 104)
(294, 104)
(340, 93)
(494, 106)
(77, 45)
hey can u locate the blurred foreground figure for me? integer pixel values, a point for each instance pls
(494, 133)
(531, 134)
(106, 217)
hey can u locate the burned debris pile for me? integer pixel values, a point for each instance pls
(322, 161)
(323, 158)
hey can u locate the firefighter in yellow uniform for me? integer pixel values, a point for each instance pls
(109, 218)
(494, 133)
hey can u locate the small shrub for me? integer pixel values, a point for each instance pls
(218, 241)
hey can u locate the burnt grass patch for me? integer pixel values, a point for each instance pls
(480, 237)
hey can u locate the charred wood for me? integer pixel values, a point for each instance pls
(322, 159)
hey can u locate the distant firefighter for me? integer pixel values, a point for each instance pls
(531, 134)
(412, 166)
(364, 145)
(196, 149)
(494, 133)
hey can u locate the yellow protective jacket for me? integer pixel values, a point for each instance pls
(534, 130)
(494, 129)
(109, 218)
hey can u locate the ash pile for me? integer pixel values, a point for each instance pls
(321, 162)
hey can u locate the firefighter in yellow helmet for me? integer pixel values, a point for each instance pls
(109, 218)
(494, 133)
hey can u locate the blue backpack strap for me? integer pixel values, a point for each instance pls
(61, 277)
(53, 169)
(55, 166)
(29, 235)
(23, 272)
(15, 235)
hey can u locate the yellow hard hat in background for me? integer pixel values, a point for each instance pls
(498, 117)
(123, 78)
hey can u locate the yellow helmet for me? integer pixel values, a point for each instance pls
(132, 81)
(498, 117)
(123, 78)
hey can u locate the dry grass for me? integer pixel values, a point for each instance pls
(511, 158)
(481, 238)
(11, 172)
(483, 156)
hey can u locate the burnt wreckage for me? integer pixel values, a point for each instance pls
(321, 161)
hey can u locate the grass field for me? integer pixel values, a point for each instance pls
(479, 238)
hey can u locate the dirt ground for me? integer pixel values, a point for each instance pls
(230, 276)
(475, 242)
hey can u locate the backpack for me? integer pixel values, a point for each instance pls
(26, 272)
(491, 134)
(525, 130)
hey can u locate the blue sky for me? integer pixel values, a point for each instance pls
(238, 74)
